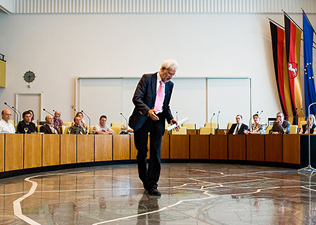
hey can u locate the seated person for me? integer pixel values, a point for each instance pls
(5, 125)
(32, 117)
(239, 127)
(280, 125)
(102, 127)
(57, 120)
(77, 128)
(49, 127)
(256, 127)
(311, 124)
(26, 126)
(124, 129)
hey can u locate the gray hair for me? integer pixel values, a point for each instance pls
(281, 113)
(169, 63)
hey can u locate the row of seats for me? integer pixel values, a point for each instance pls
(209, 128)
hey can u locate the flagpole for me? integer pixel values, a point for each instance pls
(287, 15)
(271, 20)
(275, 23)
(309, 168)
(308, 20)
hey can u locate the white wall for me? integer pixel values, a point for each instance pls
(59, 48)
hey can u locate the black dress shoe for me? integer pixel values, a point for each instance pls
(154, 192)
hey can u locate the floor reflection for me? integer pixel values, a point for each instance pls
(148, 210)
(191, 194)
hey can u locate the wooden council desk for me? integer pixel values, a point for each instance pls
(25, 151)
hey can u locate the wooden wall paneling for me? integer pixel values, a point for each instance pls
(121, 147)
(13, 152)
(237, 147)
(32, 150)
(218, 147)
(51, 149)
(2, 152)
(192, 131)
(68, 148)
(255, 147)
(179, 147)
(199, 146)
(291, 148)
(273, 147)
(85, 148)
(103, 147)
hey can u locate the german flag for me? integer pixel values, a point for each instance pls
(293, 47)
(280, 69)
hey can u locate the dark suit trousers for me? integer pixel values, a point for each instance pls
(149, 176)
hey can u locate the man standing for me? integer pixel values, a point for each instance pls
(49, 127)
(238, 127)
(26, 125)
(151, 100)
(5, 125)
(280, 126)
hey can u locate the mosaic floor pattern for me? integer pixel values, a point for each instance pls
(192, 193)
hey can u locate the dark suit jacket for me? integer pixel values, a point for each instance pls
(46, 129)
(144, 100)
(31, 127)
(241, 130)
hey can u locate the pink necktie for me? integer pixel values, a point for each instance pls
(159, 97)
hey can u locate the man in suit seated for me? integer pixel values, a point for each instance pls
(239, 127)
(77, 128)
(26, 125)
(49, 127)
(280, 126)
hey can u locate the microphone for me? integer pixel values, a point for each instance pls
(211, 121)
(18, 112)
(259, 113)
(292, 114)
(299, 112)
(177, 115)
(88, 119)
(124, 117)
(48, 112)
(218, 119)
(14, 110)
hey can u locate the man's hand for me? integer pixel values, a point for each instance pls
(152, 115)
(173, 121)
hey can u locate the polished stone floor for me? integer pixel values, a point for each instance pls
(192, 193)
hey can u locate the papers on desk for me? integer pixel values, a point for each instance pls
(179, 124)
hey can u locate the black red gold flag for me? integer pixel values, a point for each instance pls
(293, 47)
(280, 69)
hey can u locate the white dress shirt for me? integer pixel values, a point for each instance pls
(6, 127)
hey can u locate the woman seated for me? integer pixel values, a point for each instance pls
(256, 127)
(311, 124)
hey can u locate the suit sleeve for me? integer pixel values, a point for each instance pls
(288, 127)
(20, 128)
(166, 105)
(231, 130)
(140, 94)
